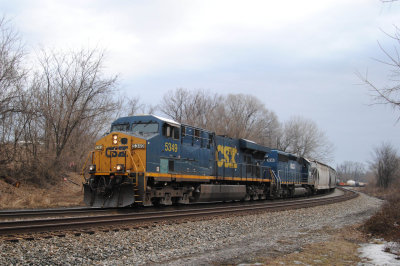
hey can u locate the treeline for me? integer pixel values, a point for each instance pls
(245, 116)
(51, 112)
(349, 170)
(382, 171)
(54, 107)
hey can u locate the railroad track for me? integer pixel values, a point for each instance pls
(9, 215)
(13, 228)
(49, 212)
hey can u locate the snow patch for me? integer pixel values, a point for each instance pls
(374, 254)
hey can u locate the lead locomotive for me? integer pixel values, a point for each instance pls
(147, 160)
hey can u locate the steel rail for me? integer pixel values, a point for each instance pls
(46, 225)
(49, 212)
(23, 214)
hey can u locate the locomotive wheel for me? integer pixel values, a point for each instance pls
(166, 200)
(254, 197)
(184, 199)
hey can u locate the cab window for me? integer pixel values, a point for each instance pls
(147, 128)
(197, 134)
(120, 127)
(170, 131)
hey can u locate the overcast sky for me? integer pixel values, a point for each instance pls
(297, 57)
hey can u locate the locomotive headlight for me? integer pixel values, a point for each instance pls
(120, 167)
(92, 168)
(115, 139)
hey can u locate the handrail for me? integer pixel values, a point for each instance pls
(292, 176)
(136, 167)
(141, 162)
(130, 156)
(84, 166)
(277, 178)
(134, 164)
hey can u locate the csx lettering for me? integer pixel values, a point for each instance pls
(116, 151)
(171, 147)
(226, 156)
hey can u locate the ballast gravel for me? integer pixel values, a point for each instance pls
(230, 240)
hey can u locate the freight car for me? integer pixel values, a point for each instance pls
(324, 176)
(149, 160)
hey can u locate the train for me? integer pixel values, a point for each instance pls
(149, 160)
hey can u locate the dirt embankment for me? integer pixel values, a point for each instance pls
(67, 192)
(341, 249)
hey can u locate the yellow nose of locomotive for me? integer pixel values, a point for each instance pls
(116, 163)
(119, 154)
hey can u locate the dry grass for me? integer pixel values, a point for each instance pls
(340, 250)
(386, 222)
(63, 193)
(379, 192)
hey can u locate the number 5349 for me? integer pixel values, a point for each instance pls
(171, 147)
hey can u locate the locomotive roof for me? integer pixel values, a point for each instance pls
(145, 118)
(285, 153)
(251, 145)
(293, 157)
(170, 121)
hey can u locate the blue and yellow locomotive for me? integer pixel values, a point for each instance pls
(147, 160)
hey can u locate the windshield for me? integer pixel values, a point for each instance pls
(145, 128)
(120, 127)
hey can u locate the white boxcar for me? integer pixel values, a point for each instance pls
(323, 175)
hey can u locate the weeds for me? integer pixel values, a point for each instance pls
(386, 222)
(29, 195)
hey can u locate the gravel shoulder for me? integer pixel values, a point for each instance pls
(233, 240)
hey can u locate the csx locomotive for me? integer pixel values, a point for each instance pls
(148, 160)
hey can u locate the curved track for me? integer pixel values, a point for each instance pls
(12, 228)
(11, 214)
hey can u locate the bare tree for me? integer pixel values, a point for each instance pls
(245, 116)
(72, 95)
(302, 137)
(194, 107)
(240, 115)
(390, 93)
(234, 115)
(385, 164)
(54, 114)
(11, 71)
(131, 106)
(200, 109)
(268, 128)
(349, 170)
(173, 104)
(12, 75)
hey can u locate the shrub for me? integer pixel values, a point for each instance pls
(386, 222)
